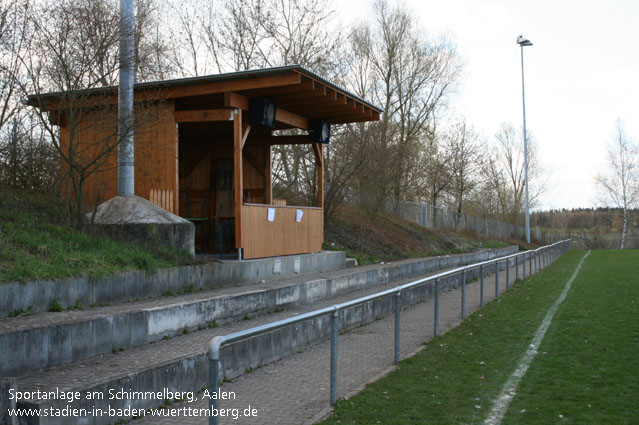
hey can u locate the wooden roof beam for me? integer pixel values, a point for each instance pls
(202, 115)
(302, 96)
(347, 119)
(304, 87)
(234, 100)
(282, 140)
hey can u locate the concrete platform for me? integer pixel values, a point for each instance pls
(137, 285)
(179, 363)
(34, 342)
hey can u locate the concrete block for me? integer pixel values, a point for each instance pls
(5, 404)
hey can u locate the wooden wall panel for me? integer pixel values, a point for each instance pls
(95, 137)
(254, 170)
(155, 154)
(283, 236)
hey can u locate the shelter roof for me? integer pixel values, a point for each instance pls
(294, 90)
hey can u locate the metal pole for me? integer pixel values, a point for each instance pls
(481, 285)
(523, 102)
(214, 386)
(523, 264)
(496, 279)
(463, 300)
(507, 274)
(516, 267)
(398, 313)
(436, 327)
(126, 171)
(334, 325)
(214, 378)
(530, 259)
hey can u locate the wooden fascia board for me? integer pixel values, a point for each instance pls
(223, 86)
(234, 100)
(204, 115)
(282, 80)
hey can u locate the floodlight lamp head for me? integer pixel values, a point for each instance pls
(523, 41)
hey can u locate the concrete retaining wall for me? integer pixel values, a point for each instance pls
(134, 285)
(36, 348)
(191, 374)
(273, 346)
(5, 404)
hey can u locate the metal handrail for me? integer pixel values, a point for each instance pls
(217, 342)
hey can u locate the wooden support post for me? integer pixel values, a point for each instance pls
(268, 175)
(237, 175)
(246, 128)
(318, 150)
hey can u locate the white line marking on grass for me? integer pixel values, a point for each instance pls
(501, 403)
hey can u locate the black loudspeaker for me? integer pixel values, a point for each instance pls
(262, 112)
(319, 131)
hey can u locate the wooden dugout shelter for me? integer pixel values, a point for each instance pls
(201, 158)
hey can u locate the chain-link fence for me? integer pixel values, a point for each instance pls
(438, 217)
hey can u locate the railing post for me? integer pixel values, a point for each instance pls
(496, 278)
(214, 378)
(546, 262)
(398, 312)
(463, 300)
(523, 264)
(214, 386)
(436, 320)
(516, 267)
(481, 285)
(530, 263)
(507, 274)
(334, 325)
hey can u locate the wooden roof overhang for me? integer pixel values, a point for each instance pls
(299, 94)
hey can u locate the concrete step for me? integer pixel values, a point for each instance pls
(43, 340)
(138, 284)
(179, 364)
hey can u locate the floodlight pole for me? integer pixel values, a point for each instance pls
(525, 42)
(126, 170)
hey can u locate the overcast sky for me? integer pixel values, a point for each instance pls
(581, 76)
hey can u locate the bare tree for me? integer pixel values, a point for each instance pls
(74, 54)
(503, 177)
(28, 160)
(409, 76)
(620, 183)
(185, 22)
(434, 171)
(462, 143)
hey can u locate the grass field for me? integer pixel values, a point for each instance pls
(585, 371)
